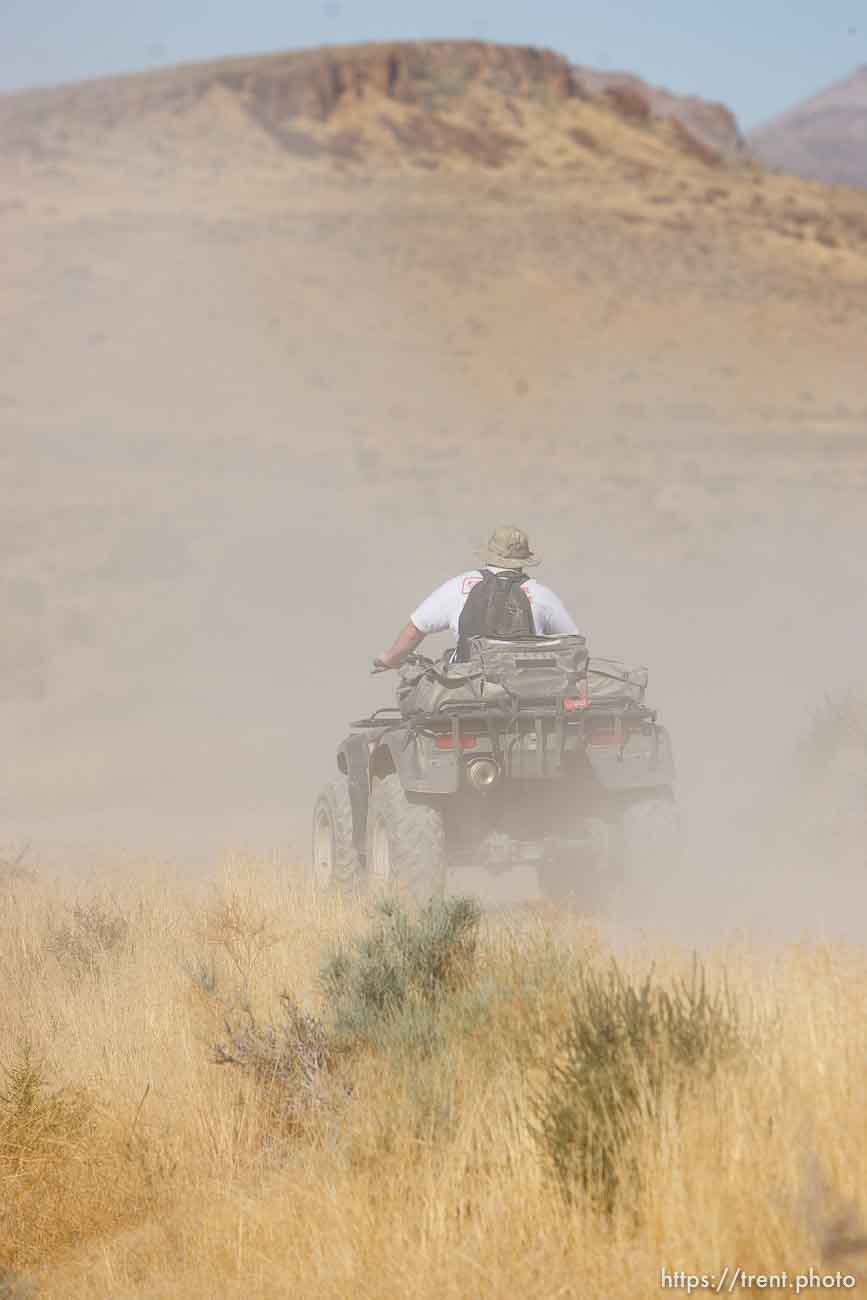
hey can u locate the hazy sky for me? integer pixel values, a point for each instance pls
(759, 56)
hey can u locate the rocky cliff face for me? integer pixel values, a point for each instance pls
(823, 139)
(712, 126)
(430, 76)
(283, 90)
(423, 103)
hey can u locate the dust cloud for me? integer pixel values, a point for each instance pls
(236, 453)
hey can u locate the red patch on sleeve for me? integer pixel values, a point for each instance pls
(469, 582)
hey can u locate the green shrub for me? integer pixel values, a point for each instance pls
(37, 1123)
(386, 990)
(29, 1110)
(626, 1046)
(393, 980)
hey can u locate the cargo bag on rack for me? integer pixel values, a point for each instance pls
(532, 670)
(500, 674)
(439, 688)
(611, 680)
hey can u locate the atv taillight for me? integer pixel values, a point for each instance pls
(447, 741)
(572, 703)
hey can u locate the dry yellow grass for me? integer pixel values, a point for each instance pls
(145, 1170)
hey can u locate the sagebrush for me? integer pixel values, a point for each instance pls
(382, 1135)
(627, 1044)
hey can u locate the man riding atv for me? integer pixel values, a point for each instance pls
(497, 600)
(516, 748)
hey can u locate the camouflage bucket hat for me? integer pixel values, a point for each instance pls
(508, 548)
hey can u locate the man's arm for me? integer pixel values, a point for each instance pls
(409, 638)
(432, 615)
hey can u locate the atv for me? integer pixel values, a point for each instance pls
(530, 752)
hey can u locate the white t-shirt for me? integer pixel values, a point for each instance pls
(443, 607)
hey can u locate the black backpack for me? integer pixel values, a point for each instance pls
(496, 607)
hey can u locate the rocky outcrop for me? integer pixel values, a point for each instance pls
(823, 139)
(280, 90)
(704, 127)
(428, 75)
(419, 103)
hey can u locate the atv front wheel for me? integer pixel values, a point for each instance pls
(336, 863)
(405, 842)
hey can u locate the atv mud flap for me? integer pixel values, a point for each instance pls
(643, 760)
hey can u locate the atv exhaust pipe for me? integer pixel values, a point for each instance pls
(483, 773)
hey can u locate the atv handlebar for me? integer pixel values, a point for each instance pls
(420, 661)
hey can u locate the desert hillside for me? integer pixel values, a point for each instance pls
(275, 328)
(476, 211)
(823, 139)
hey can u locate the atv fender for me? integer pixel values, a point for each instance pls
(422, 768)
(644, 762)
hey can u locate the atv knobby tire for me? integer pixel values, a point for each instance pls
(336, 862)
(405, 842)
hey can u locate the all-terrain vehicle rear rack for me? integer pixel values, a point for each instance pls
(377, 719)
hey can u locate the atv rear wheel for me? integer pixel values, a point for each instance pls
(336, 863)
(405, 842)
